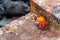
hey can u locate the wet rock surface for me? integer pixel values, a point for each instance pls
(24, 28)
(10, 9)
(56, 13)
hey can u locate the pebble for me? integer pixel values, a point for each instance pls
(21, 22)
(1, 31)
(11, 28)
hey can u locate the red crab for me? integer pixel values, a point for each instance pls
(41, 22)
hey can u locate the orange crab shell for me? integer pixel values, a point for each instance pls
(42, 23)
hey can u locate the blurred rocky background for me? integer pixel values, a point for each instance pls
(12, 9)
(18, 24)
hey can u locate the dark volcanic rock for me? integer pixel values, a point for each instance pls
(2, 9)
(12, 8)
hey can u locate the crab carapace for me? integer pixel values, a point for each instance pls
(41, 22)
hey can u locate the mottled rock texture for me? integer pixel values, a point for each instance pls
(25, 28)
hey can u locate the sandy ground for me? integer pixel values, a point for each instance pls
(25, 28)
